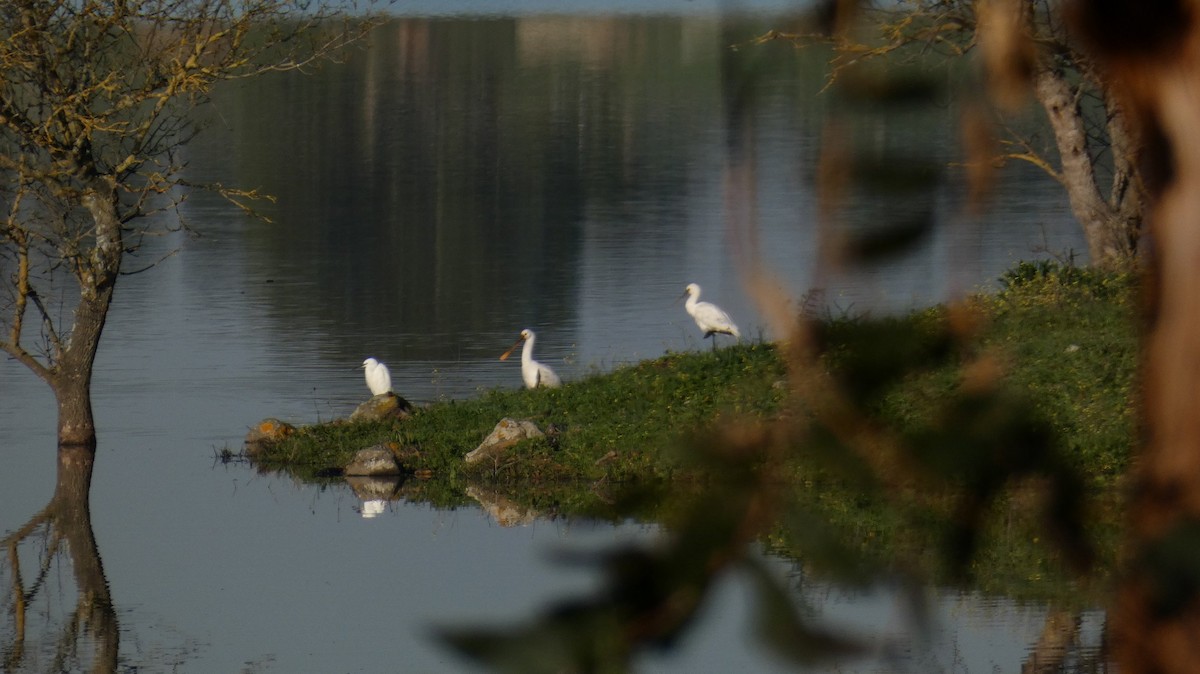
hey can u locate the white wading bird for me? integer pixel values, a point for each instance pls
(710, 318)
(534, 373)
(379, 380)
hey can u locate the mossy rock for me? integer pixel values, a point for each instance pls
(383, 406)
(267, 432)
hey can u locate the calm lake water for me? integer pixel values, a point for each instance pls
(458, 180)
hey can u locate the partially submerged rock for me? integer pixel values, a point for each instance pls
(506, 434)
(267, 432)
(374, 488)
(373, 462)
(383, 406)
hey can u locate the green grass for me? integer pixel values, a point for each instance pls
(1073, 338)
(639, 413)
(1066, 342)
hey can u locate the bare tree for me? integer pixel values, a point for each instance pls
(1095, 152)
(96, 100)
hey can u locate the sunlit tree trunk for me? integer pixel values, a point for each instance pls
(1112, 225)
(76, 426)
(97, 274)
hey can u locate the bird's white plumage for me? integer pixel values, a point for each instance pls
(534, 373)
(710, 318)
(379, 380)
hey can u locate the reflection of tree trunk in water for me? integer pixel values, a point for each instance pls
(67, 519)
(75, 524)
(1060, 635)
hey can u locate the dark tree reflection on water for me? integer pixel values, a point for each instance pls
(35, 637)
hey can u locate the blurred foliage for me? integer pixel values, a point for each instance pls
(939, 447)
(652, 594)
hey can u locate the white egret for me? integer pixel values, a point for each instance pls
(710, 318)
(379, 380)
(534, 373)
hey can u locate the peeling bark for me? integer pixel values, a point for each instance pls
(72, 376)
(1110, 226)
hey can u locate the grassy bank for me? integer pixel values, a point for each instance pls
(1063, 339)
(625, 424)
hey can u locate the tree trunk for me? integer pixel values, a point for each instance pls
(97, 276)
(1110, 228)
(76, 426)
